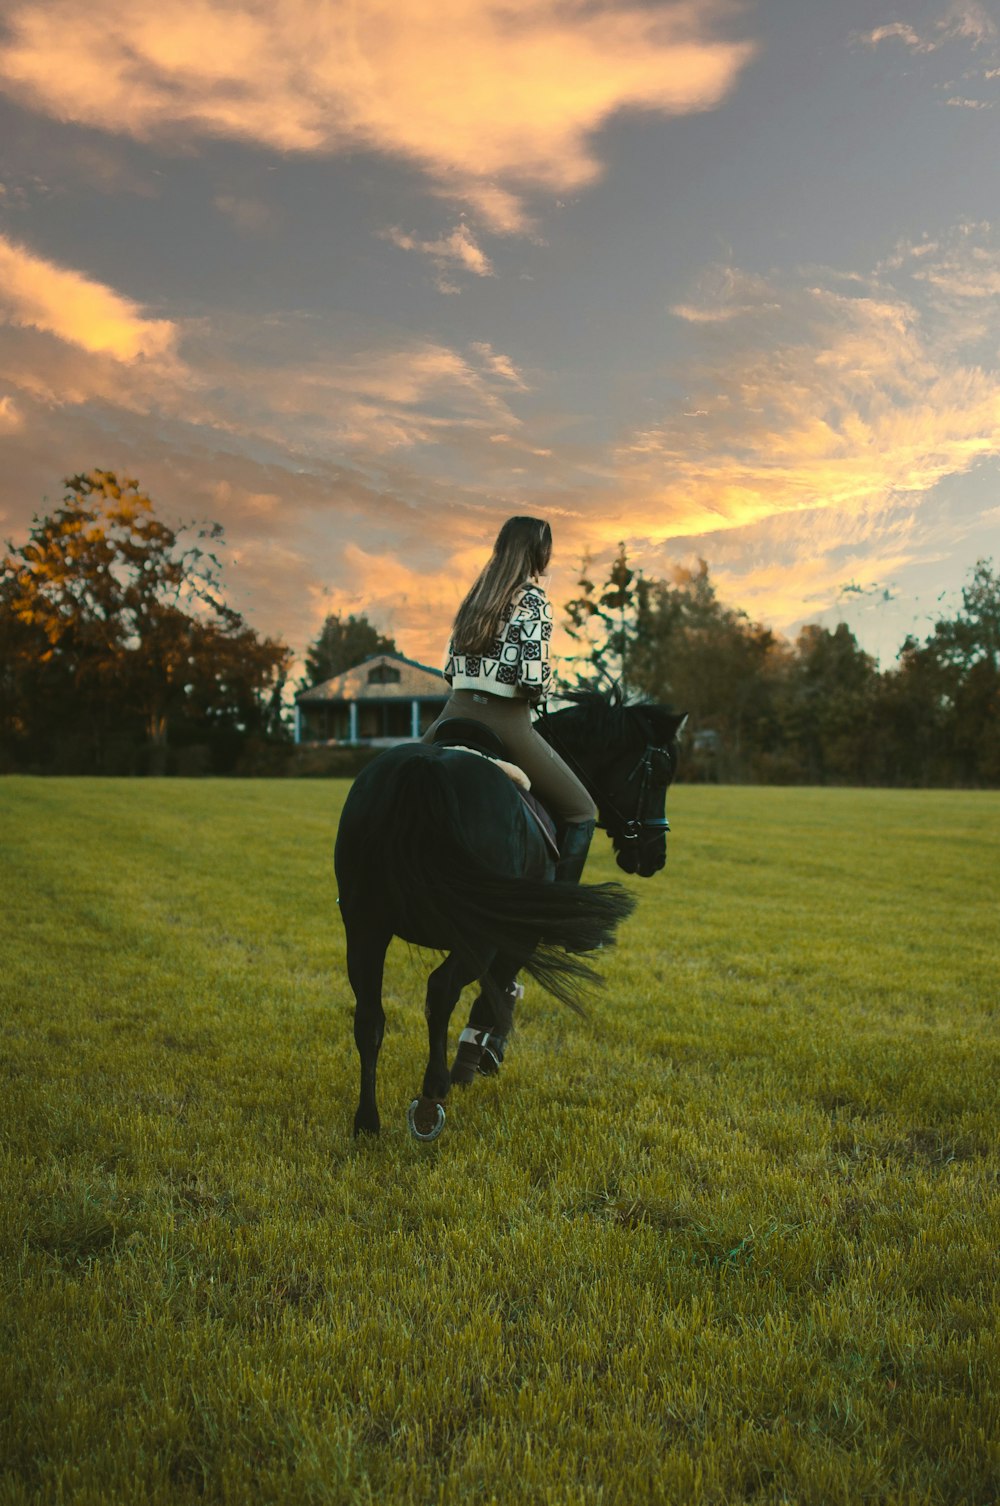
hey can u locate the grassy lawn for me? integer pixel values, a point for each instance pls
(731, 1238)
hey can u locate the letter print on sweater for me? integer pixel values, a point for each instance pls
(516, 662)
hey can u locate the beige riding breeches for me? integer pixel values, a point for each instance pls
(552, 780)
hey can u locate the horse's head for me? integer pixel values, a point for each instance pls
(633, 789)
(629, 753)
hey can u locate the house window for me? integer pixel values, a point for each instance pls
(383, 674)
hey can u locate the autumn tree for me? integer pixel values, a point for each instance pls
(113, 625)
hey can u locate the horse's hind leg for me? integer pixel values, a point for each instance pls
(491, 1020)
(365, 965)
(444, 986)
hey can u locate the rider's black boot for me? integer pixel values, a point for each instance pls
(573, 850)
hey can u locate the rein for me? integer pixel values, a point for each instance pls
(631, 826)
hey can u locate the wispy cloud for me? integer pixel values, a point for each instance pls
(490, 97)
(973, 277)
(964, 19)
(969, 19)
(726, 293)
(902, 32)
(37, 293)
(829, 400)
(499, 365)
(376, 400)
(956, 280)
(964, 28)
(458, 250)
(10, 416)
(825, 551)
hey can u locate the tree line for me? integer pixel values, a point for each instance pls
(818, 710)
(120, 654)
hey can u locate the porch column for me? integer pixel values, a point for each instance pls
(352, 722)
(415, 719)
(298, 722)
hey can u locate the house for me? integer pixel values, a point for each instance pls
(385, 699)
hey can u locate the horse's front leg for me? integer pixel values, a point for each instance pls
(444, 986)
(365, 965)
(491, 1019)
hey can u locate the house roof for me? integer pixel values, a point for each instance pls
(415, 681)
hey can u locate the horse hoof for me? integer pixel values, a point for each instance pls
(425, 1117)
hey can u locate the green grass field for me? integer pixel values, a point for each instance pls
(733, 1237)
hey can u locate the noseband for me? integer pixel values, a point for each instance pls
(630, 828)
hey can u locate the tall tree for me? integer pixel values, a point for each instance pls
(829, 705)
(974, 636)
(704, 658)
(943, 698)
(118, 622)
(342, 643)
(618, 601)
(604, 625)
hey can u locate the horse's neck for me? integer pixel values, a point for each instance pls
(559, 732)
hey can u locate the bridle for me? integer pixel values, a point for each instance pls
(630, 828)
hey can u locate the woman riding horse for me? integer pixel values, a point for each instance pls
(437, 846)
(498, 668)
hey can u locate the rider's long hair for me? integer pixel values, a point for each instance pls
(523, 548)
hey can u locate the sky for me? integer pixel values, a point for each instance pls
(360, 280)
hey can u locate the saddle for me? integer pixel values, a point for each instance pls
(468, 736)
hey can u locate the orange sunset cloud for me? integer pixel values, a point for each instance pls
(858, 413)
(38, 294)
(473, 92)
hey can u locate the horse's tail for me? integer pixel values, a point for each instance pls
(442, 893)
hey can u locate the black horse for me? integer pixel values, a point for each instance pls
(437, 846)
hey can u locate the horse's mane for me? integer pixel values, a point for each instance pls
(606, 716)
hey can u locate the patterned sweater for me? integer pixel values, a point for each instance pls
(516, 663)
